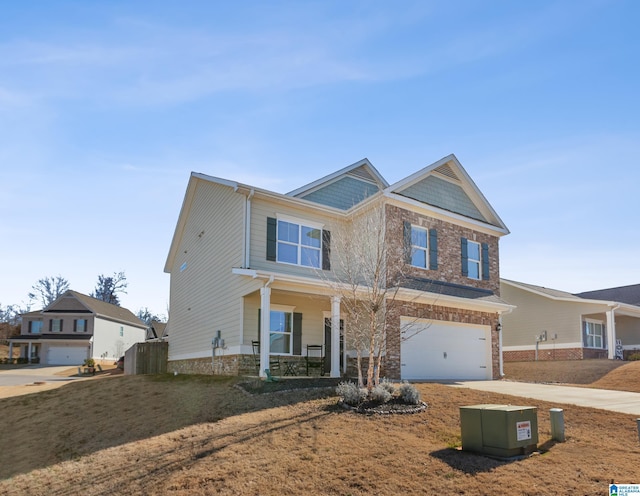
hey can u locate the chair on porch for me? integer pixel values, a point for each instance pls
(274, 360)
(315, 358)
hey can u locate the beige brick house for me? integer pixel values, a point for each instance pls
(550, 324)
(248, 264)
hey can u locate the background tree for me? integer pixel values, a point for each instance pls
(361, 262)
(108, 287)
(9, 321)
(47, 290)
(146, 316)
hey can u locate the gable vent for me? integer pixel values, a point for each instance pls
(362, 173)
(445, 170)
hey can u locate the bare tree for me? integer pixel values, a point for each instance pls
(48, 289)
(108, 287)
(367, 277)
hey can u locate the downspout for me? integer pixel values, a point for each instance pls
(500, 339)
(247, 232)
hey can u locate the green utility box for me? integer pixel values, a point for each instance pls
(499, 430)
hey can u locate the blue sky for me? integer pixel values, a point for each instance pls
(106, 108)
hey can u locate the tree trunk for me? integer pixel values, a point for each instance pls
(359, 361)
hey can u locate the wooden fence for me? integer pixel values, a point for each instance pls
(146, 358)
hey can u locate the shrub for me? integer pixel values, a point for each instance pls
(380, 394)
(409, 394)
(22, 360)
(634, 356)
(388, 385)
(350, 393)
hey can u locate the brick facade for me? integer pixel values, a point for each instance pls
(557, 354)
(449, 252)
(435, 312)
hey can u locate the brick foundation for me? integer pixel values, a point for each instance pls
(558, 354)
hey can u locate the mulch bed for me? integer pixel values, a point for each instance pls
(394, 407)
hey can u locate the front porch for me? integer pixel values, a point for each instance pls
(29, 349)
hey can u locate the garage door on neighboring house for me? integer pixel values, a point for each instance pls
(67, 355)
(432, 349)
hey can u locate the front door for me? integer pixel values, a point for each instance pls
(327, 345)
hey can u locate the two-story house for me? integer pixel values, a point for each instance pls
(248, 264)
(75, 327)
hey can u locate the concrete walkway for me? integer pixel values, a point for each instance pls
(604, 399)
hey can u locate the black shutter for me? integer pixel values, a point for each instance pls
(61, 324)
(272, 230)
(407, 242)
(433, 249)
(464, 257)
(75, 325)
(326, 250)
(485, 261)
(30, 326)
(297, 333)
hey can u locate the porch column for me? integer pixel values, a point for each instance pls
(10, 349)
(335, 336)
(29, 352)
(265, 328)
(611, 334)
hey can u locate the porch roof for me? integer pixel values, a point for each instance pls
(51, 337)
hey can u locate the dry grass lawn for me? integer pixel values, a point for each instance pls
(201, 435)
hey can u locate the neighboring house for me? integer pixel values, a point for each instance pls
(76, 327)
(548, 324)
(157, 331)
(248, 264)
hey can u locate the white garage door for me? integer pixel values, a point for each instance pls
(443, 350)
(67, 355)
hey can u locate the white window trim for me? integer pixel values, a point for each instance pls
(301, 223)
(473, 260)
(285, 309)
(603, 327)
(421, 248)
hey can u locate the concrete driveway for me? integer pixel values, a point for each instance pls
(604, 399)
(35, 373)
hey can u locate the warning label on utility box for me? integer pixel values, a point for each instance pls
(524, 430)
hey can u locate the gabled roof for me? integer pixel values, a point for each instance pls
(344, 188)
(446, 185)
(620, 307)
(542, 291)
(98, 307)
(624, 294)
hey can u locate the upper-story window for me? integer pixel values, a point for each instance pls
(80, 325)
(35, 326)
(299, 244)
(475, 259)
(421, 246)
(55, 325)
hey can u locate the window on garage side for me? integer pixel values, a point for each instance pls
(475, 259)
(594, 334)
(80, 325)
(420, 246)
(35, 326)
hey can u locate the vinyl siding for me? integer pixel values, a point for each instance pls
(107, 341)
(535, 314)
(205, 295)
(628, 330)
(343, 193)
(260, 210)
(312, 315)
